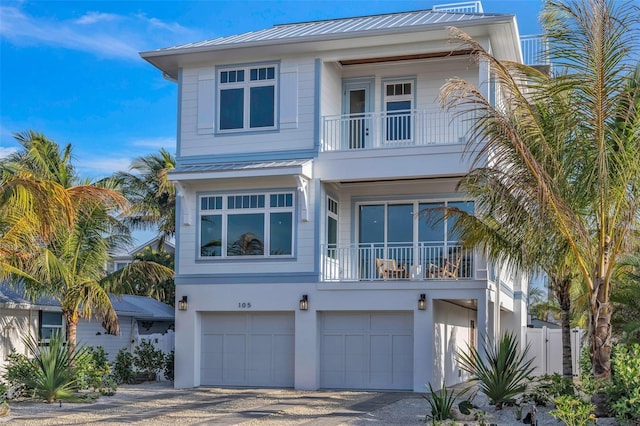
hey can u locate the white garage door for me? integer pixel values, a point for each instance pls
(247, 349)
(372, 350)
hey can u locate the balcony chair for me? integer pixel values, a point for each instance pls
(388, 268)
(447, 270)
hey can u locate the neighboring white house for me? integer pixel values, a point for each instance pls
(305, 153)
(120, 260)
(140, 318)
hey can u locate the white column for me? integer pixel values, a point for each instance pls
(307, 350)
(423, 346)
(188, 351)
(483, 320)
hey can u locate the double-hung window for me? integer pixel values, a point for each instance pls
(259, 224)
(50, 323)
(247, 98)
(398, 105)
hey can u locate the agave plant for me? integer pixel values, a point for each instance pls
(504, 373)
(54, 365)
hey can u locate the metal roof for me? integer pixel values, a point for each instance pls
(406, 21)
(126, 304)
(254, 165)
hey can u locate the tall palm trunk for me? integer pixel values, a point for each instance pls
(561, 287)
(71, 320)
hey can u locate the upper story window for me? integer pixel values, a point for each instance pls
(235, 225)
(398, 103)
(247, 98)
(332, 226)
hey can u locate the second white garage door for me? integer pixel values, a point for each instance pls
(372, 350)
(248, 349)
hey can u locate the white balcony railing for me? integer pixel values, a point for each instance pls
(357, 262)
(391, 129)
(534, 50)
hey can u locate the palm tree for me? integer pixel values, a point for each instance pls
(151, 194)
(583, 186)
(67, 263)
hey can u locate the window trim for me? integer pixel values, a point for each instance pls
(62, 327)
(225, 212)
(246, 85)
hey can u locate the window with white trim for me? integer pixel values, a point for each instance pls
(50, 323)
(233, 226)
(332, 227)
(398, 103)
(247, 98)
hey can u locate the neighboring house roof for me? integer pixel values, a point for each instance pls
(140, 307)
(538, 323)
(342, 27)
(153, 243)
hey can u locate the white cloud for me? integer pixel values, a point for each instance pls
(5, 152)
(101, 34)
(167, 143)
(97, 167)
(95, 17)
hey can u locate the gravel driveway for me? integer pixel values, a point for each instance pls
(160, 404)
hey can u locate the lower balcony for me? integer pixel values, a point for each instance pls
(376, 262)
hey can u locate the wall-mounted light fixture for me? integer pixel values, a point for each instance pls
(304, 302)
(422, 302)
(182, 304)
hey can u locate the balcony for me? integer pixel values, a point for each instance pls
(535, 51)
(357, 262)
(391, 129)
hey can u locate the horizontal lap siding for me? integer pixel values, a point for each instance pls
(301, 137)
(305, 245)
(88, 335)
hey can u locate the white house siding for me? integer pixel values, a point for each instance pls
(330, 96)
(14, 325)
(300, 137)
(452, 334)
(91, 333)
(304, 245)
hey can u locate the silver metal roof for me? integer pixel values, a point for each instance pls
(254, 165)
(409, 21)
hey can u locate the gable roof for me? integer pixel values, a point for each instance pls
(342, 27)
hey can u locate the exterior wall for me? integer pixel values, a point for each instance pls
(91, 333)
(437, 321)
(304, 232)
(298, 137)
(452, 335)
(14, 325)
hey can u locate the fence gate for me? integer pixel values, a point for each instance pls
(545, 347)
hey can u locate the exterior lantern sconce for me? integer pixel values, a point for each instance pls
(304, 302)
(422, 302)
(182, 304)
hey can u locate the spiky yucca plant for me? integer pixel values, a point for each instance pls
(504, 373)
(54, 364)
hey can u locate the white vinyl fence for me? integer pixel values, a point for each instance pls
(545, 347)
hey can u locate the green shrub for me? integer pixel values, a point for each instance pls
(55, 375)
(19, 370)
(623, 393)
(169, 360)
(93, 370)
(572, 411)
(505, 373)
(441, 403)
(148, 360)
(549, 387)
(123, 367)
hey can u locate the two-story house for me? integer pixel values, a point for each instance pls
(305, 154)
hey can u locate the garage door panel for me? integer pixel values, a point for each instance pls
(364, 350)
(247, 349)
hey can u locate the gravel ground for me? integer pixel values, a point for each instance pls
(160, 404)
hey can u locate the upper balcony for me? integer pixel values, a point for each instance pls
(391, 129)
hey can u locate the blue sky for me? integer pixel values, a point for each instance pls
(71, 69)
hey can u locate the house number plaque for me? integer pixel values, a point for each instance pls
(244, 305)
